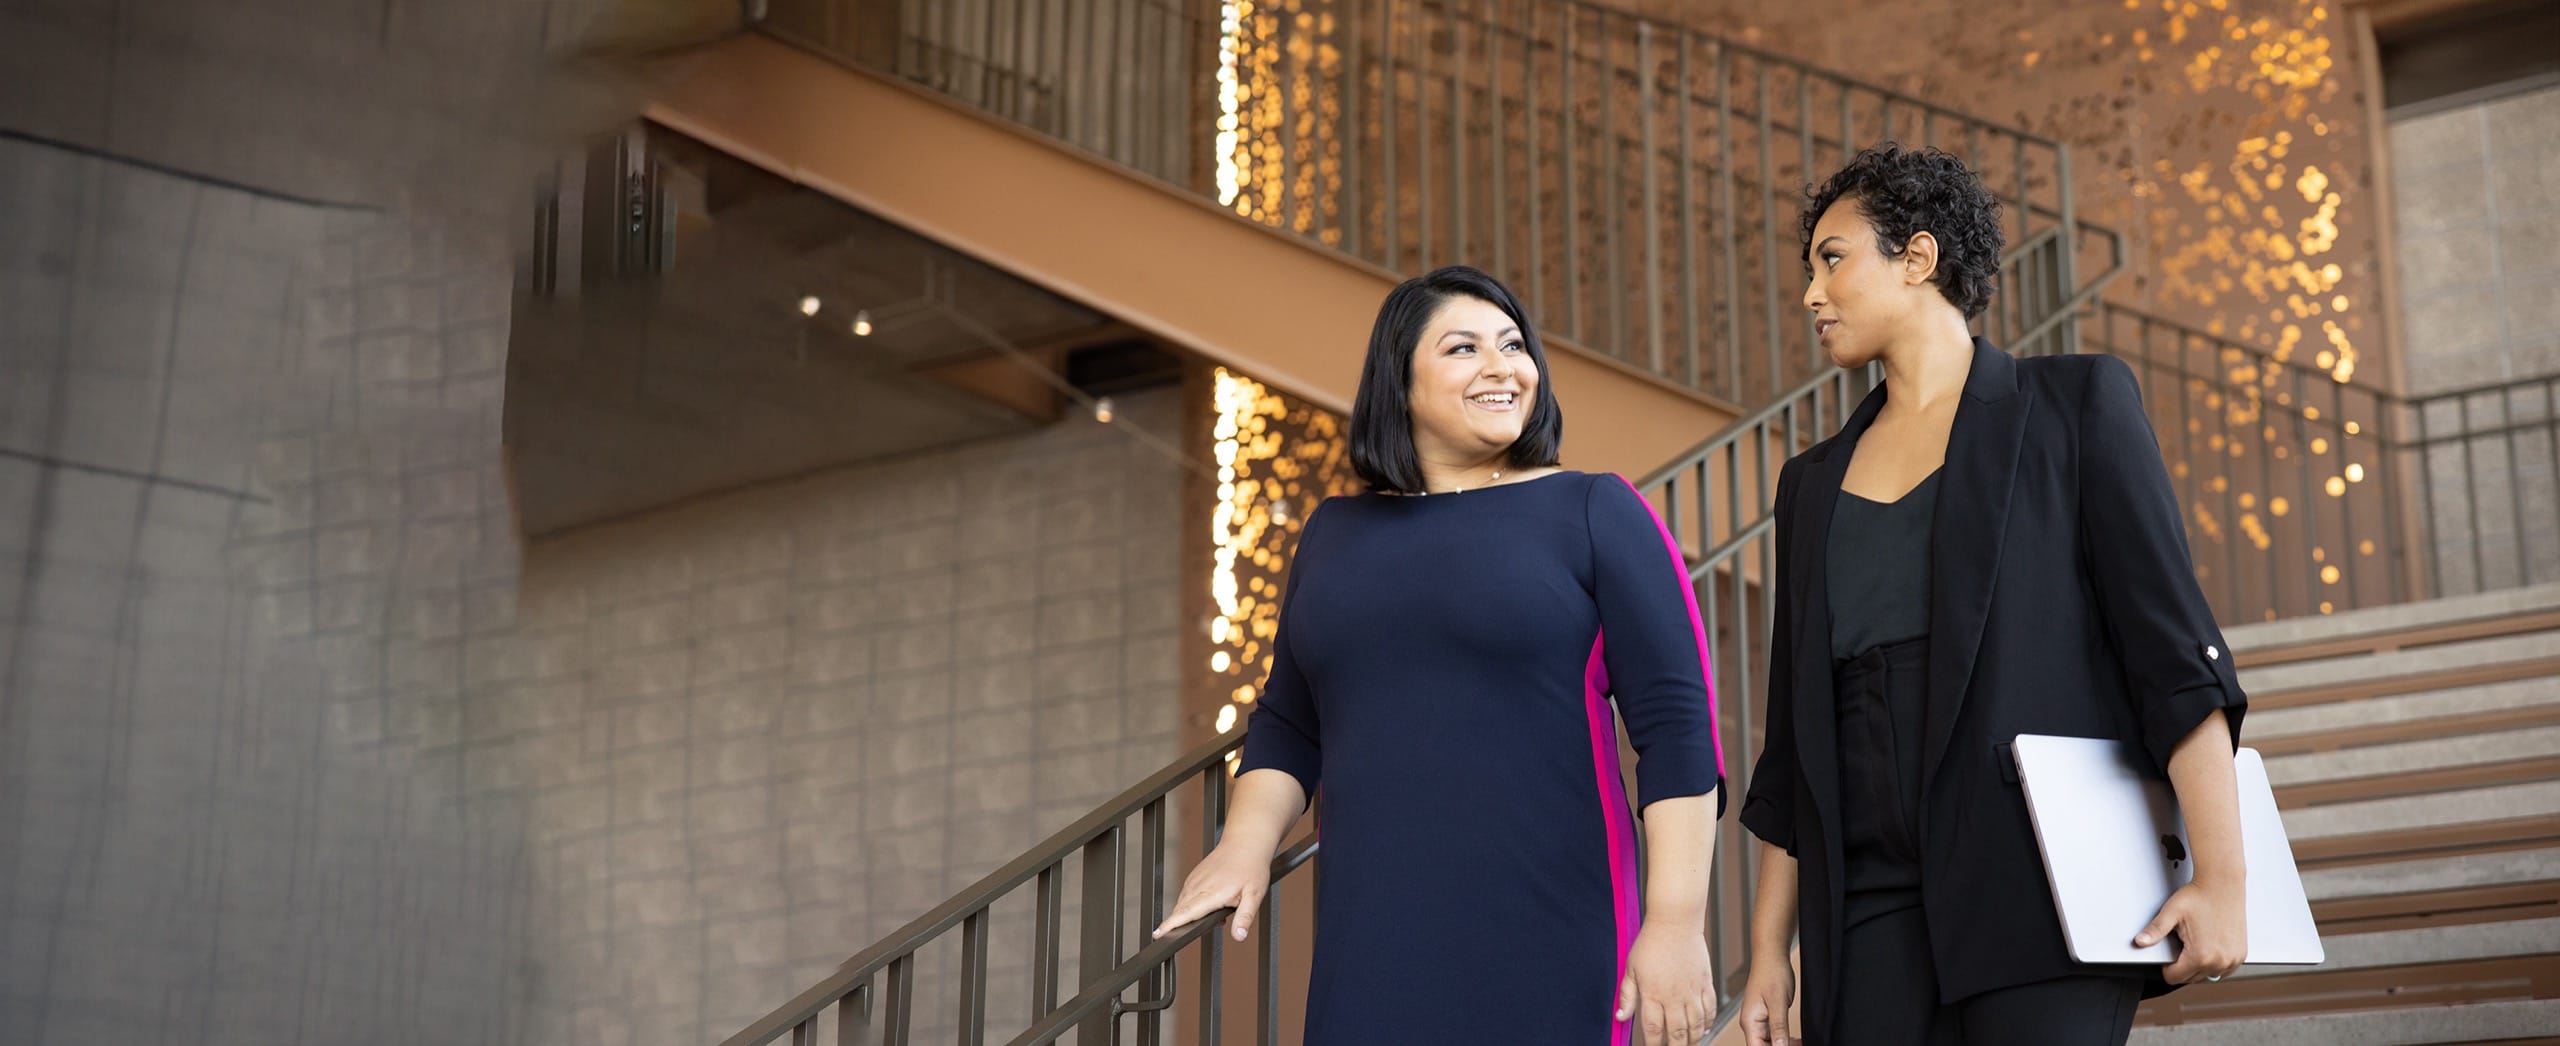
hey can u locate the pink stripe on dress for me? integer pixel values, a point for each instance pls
(1611, 782)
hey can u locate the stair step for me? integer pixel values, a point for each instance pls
(2406, 624)
(2402, 758)
(2420, 782)
(2432, 874)
(2384, 895)
(2482, 820)
(2539, 799)
(2406, 671)
(2427, 945)
(2407, 709)
(2480, 1022)
(2476, 963)
(2442, 764)
(2413, 756)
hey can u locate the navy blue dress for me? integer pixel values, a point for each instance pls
(1443, 673)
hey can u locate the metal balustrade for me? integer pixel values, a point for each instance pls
(1636, 182)
(872, 997)
(2306, 495)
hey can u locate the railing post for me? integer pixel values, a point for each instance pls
(1267, 980)
(1101, 918)
(1390, 94)
(1689, 284)
(1459, 168)
(1532, 160)
(853, 1016)
(1289, 72)
(2471, 495)
(1213, 965)
(2402, 520)
(1652, 224)
(2066, 265)
(1047, 906)
(973, 980)
(1570, 141)
(1769, 292)
(1612, 195)
(1499, 124)
(1151, 911)
(898, 1012)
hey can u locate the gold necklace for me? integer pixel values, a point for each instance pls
(1495, 478)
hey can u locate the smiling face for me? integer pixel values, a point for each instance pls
(1862, 297)
(1474, 383)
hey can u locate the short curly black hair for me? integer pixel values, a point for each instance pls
(1905, 192)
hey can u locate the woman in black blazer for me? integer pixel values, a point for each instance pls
(1988, 548)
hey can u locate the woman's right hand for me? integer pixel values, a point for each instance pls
(1228, 877)
(1767, 996)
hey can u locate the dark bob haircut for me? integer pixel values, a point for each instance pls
(1382, 415)
(1906, 192)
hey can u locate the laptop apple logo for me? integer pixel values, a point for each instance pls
(2172, 849)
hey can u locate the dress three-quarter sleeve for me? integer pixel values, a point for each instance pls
(1654, 647)
(1283, 733)
(2176, 665)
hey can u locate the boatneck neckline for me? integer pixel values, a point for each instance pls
(1442, 495)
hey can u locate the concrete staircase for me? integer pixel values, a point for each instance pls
(2415, 750)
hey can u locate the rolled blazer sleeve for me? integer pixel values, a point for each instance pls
(2178, 669)
(1769, 808)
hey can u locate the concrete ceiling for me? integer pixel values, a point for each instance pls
(634, 392)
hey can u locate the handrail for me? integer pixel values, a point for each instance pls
(1097, 834)
(923, 929)
(1157, 955)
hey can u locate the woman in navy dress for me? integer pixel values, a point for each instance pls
(1448, 650)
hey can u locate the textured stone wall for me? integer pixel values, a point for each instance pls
(2479, 213)
(303, 745)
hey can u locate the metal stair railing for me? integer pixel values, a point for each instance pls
(872, 997)
(2305, 494)
(1635, 181)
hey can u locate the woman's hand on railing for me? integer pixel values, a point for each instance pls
(1767, 997)
(1228, 878)
(1670, 987)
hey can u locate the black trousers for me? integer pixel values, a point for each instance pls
(1888, 989)
(1889, 997)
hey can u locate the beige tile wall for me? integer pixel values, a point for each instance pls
(2478, 190)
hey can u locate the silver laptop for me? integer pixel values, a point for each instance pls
(2115, 848)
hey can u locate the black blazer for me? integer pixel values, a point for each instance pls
(2062, 601)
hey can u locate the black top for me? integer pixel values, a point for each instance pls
(1880, 569)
